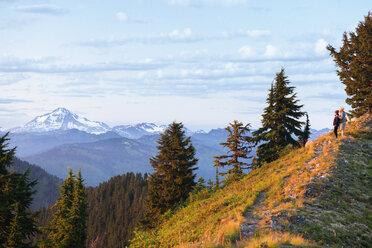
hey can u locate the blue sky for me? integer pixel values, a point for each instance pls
(203, 62)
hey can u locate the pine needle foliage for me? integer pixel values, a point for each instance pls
(78, 212)
(68, 227)
(17, 223)
(173, 177)
(280, 121)
(354, 61)
(239, 147)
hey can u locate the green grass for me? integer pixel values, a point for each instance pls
(331, 196)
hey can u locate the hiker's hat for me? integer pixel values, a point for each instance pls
(342, 108)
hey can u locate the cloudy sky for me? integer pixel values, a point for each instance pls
(203, 62)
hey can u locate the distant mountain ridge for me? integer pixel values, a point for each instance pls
(139, 130)
(47, 190)
(103, 159)
(62, 119)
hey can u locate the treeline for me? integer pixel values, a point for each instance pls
(114, 210)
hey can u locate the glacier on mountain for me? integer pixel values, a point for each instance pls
(62, 119)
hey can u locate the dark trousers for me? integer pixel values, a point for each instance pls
(335, 130)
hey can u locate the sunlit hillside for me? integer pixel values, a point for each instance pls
(315, 196)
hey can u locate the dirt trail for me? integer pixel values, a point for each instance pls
(318, 151)
(250, 225)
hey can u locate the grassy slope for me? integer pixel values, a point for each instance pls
(314, 196)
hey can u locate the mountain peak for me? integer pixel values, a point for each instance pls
(62, 119)
(61, 110)
(138, 130)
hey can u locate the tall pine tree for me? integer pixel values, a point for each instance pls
(239, 146)
(173, 177)
(17, 223)
(280, 121)
(355, 66)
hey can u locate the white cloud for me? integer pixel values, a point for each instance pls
(321, 47)
(257, 32)
(180, 35)
(122, 17)
(271, 51)
(246, 51)
(40, 9)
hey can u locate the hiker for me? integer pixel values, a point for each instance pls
(342, 121)
(336, 122)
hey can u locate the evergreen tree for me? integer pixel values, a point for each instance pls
(200, 184)
(268, 149)
(239, 146)
(78, 212)
(280, 121)
(173, 176)
(355, 66)
(306, 133)
(68, 227)
(217, 164)
(17, 223)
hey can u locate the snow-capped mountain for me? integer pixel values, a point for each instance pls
(62, 119)
(139, 130)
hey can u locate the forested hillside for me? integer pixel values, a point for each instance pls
(47, 189)
(114, 209)
(318, 195)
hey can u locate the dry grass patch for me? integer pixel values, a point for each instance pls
(278, 239)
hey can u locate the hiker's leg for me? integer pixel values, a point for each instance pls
(335, 130)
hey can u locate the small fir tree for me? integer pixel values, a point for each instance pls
(306, 133)
(217, 164)
(210, 184)
(173, 177)
(17, 223)
(200, 185)
(354, 61)
(239, 146)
